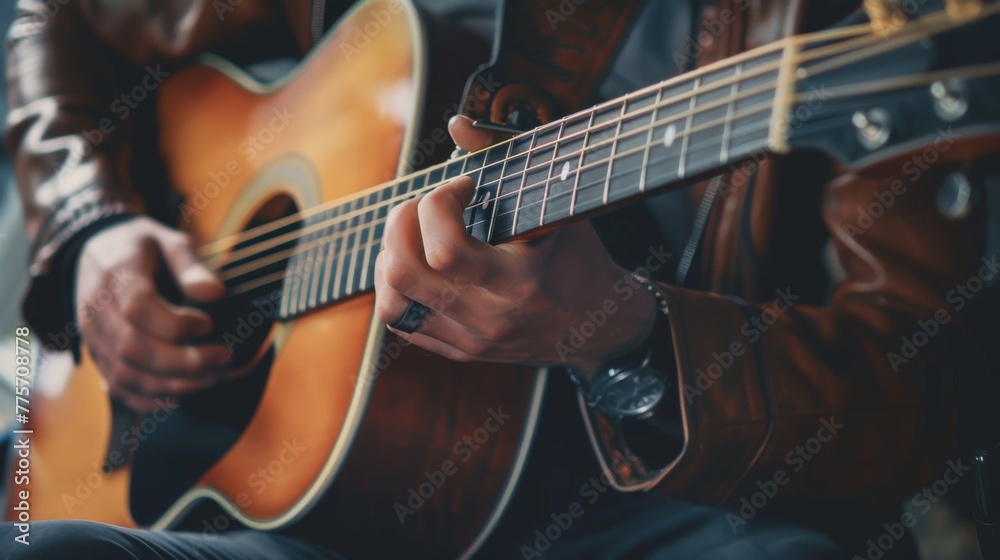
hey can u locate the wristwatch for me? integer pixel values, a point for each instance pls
(632, 385)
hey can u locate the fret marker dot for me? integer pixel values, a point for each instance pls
(565, 172)
(486, 200)
(669, 135)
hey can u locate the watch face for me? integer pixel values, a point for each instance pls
(633, 393)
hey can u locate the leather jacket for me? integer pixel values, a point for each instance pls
(815, 308)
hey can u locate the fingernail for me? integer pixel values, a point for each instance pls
(197, 274)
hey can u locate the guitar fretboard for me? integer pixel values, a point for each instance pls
(651, 139)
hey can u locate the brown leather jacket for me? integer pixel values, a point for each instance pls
(772, 355)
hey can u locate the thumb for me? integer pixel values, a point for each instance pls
(194, 279)
(471, 138)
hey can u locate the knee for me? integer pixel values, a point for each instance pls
(82, 540)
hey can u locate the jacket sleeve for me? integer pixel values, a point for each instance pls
(68, 122)
(850, 399)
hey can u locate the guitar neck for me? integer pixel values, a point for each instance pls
(618, 151)
(647, 141)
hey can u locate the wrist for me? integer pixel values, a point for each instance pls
(628, 328)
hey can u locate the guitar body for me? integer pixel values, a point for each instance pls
(407, 451)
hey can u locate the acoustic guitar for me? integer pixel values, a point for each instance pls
(285, 188)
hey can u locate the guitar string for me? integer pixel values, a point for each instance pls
(757, 71)
(333, 237)
(669, 119)
(367, 245)
(883, 85)
(372, 242)
(342, 256)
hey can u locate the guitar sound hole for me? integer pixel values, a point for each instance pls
(253, 275)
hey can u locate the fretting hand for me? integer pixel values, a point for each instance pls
(515, 302)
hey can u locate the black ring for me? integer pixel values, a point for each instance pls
(412, 318)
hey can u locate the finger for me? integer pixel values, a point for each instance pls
(201, 363)
(470, 138)
(390, 306)
(447, 247)
(144, 308)
(126, 385)
(194, 279)
(404, 269)
(433, 345)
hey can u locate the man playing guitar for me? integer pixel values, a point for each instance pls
(775, 306)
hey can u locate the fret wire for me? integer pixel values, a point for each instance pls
(611, 156)
(747, 147)
(499, 192)
(327, 275)
(649, 140)
(524, 178)
(552, 164)
(687, 127)
(761, 142)
(340, 257)
(579, 165)
(352, 262)
(313, 277)
(728, 126)
(293, 292)
(372, 241)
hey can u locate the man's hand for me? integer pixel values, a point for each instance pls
(140, 341)
(514, 302)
